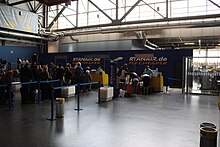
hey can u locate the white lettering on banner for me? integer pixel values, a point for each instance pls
(145, 59)
(86, 59)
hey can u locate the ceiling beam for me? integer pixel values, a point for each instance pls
(214, 3)
(19, 2)
(147, 21)
(116, 9)
(56, 17)
(31, 7)
(128, 12)
(112, 2)
(69, 20)
(37, 7)
(153, 8)
(100, 10)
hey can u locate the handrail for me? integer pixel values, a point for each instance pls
(90, 83)
(55, 88)
(5, 85)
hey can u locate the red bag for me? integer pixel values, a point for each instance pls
(129, 88)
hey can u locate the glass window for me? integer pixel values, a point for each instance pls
(90, 15)
(197, 7)
(179, 8)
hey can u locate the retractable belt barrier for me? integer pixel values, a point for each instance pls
(10, 104)
(51, 117)
(174, 79)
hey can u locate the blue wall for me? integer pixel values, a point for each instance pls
(11, 53)
(169, 68)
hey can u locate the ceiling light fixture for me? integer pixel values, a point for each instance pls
(189, 43)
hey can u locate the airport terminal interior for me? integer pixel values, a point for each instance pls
(109, 73)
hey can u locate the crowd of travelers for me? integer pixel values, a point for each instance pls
(70, 74)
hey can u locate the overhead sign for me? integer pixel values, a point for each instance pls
(146, 59)
(18, 19)
(87, 60)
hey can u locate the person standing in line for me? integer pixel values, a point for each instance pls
(26, 75)
(45, 87)
(87, 79)
(123, 72)
(79, 73)
(60, 73)
(68, 74)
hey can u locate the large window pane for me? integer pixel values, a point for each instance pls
(197, 7)
(179, 9)
(82, 20)
(146, 10)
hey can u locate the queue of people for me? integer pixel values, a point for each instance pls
(70, 74)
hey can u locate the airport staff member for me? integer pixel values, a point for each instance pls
(148, 71)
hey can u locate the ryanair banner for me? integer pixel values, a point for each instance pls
(147, 59)
(18, 19)
(87, 60)
(168, 62)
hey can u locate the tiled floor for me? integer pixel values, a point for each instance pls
(157, 120)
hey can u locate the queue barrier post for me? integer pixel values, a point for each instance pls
(9, 93)
(39, 93)
(52, 118)
(10, 104)
(78, 98)
(99, 100)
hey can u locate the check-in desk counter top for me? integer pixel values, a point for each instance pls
(157, 83)
(103, 78)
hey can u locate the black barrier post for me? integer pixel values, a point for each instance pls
(99, 100)
(39, 93)
(51, 118)
(10, 105)
(78, 101)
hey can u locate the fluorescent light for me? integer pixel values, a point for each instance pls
(189, 43)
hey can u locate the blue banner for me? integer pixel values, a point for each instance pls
(169, 62)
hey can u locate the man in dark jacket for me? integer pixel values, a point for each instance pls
(26, 75)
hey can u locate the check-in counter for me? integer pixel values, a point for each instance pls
(102, 77)
(157, 83)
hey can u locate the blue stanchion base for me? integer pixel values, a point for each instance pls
(51, 118)
(78, 109)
